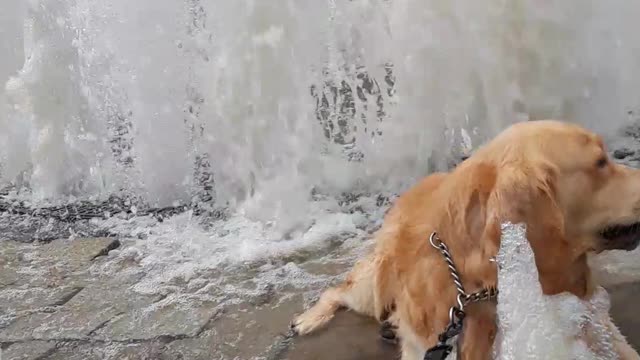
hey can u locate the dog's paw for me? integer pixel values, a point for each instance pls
(388, 332)
(309, 322)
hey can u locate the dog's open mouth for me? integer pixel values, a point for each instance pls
(622, 237)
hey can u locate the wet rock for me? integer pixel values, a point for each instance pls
(15, 299)
(321, 267)
(8, 276)
(623, 153)
(6, 319)
(115, 351)
(624, 311)
(31, 350)
(55, 264)
(60, 324)
(173, 320)
(87, 311)
(347, 337)
(11, 255)
(242, 332)
(110, 321)
(79, 251)
(632, 131)
(26, 227)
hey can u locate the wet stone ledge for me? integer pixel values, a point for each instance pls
(53, 308)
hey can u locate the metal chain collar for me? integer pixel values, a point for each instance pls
(463, 298)
(456, 313)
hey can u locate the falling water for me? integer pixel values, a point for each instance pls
(272, 99)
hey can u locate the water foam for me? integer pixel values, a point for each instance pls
(145, 97)
(536, 326)
(237, 258)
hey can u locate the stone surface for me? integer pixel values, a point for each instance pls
(172, 320)
(8, 276)
(10, 262)
(84, 313)
(77, 252)
(16, 299)
(115, 351)
(54, 264)
(622, 153)
(243, 332)
(31, 350)
(42, 309)
(54, 326)
(624, 311)
(348, 337)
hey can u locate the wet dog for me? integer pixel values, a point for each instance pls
(553, 176)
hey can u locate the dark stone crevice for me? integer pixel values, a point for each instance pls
(111, 246)
(68, 297)
(104, 323)
(209, 324)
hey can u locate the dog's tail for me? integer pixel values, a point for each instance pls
(359, 292)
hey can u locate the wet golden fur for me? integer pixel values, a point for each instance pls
(553, 176)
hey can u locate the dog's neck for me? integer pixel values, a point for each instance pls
(535, 326)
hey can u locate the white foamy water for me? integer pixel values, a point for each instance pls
(536, 326)
(278, 108)
(131, 96)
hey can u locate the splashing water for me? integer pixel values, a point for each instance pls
(263, 96)
(535, 326)
(292, 115)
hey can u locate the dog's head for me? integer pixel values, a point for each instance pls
(558, 179)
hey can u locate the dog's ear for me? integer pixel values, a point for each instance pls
(527, 194)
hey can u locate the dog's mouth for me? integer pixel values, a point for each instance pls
(621, 237)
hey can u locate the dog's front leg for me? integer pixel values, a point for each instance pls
(477, 338)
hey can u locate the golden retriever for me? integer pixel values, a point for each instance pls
(553, 176)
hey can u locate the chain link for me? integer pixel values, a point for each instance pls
(456, 313)
(463, 298)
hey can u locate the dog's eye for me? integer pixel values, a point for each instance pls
(602, 162)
